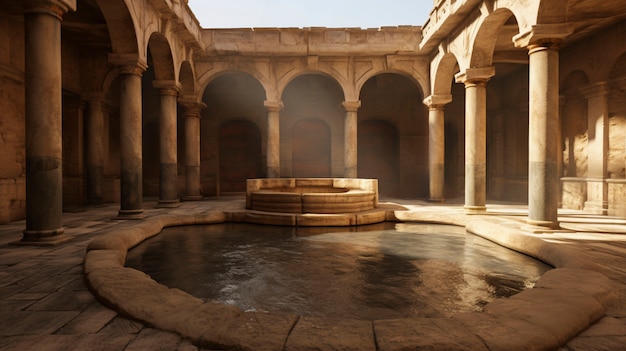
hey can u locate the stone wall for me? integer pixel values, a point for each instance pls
(12, 156)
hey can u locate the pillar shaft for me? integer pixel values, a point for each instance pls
(475, 146)
(131, 182)
(475, 80)
(436, 145)
(168, 138)
(436, 152)
(191, 114)
(273, 138)
(350, 139)
(44, 115)
(543, 136)
(95, 149)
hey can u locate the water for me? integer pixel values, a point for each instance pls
(381, 271)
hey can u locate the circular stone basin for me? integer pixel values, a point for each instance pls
(312, 195)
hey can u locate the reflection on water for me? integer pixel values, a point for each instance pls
(385, 270)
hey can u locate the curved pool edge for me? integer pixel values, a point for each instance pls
(564, 302)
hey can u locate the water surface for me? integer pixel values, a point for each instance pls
(386, 270)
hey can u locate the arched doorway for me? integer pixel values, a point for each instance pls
(231, 133)
(311, 127)
(392, 130)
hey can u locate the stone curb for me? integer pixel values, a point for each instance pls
(564, 302)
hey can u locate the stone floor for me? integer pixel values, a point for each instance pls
(45, 304)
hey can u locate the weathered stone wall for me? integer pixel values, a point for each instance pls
(597, 60)
(12, 156)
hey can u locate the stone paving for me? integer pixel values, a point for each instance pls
(46, 305)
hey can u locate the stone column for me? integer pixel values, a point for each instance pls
(475, 80)
(168, 138)
(44, 116)
(350, 144)
(191, 114)
(436, 145)
(131, 182)
(273, 138)
(95, 148)
(597, 148)
(543, 190)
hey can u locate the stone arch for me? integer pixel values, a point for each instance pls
(314, 97)
(393, 99)
(443, 75)
(162, 60)
(186, 77)
(550, 11)
(124, 38)
(490, 28)
(204, 79)
(287, 80)
(419, 80)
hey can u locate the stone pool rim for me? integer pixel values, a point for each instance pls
(565, 301)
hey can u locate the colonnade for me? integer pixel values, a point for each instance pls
(44, 132)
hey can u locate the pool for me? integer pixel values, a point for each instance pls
(381, 271)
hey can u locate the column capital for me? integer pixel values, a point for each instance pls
(192, 108)
(543, 35)
(167, 87)
(597, 89)
(437, 101)
(56, 8)
(475, 75)
(129, 63)
(273, 106)
(351, 106)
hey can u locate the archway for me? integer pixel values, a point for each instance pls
(312, 126)
(393, 132)
(234, 113)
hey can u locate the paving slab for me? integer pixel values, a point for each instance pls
(33, 322)
(433, 334)
(89, 321)
(154, 340)
(314, 333)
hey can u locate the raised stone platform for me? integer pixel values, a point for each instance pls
(312, 195)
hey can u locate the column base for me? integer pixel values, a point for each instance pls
(599, 208)
(192, 198)
(43, 237)
(537, 226)
(168, 204)
(475, 209)
(130, 214)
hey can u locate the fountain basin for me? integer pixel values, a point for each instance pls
(312, 195)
